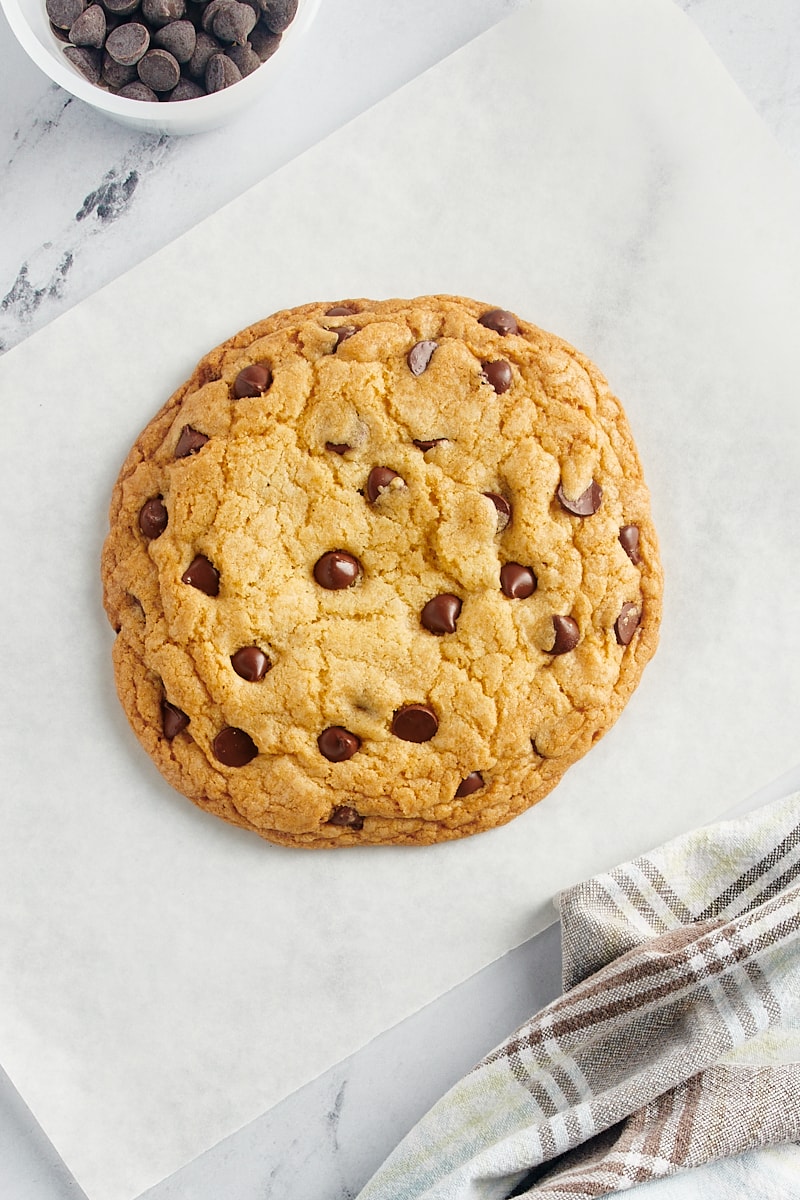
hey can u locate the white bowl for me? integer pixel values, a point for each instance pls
(28, 19)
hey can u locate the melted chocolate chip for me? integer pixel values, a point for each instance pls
(342, 334)
(587, 503)
(500, 320)
(338, 744)
(341, 310)
(173, 720)
(441, 613)
(473, 783)
(415, 723)
(336, 570)
(202, 575)
(344, 815)
(233, 747)
(629, 540)
(153, 517)
(567, 635)
(190, 441)
(423, 446)
(503, 510)
(419, 356)
(627, 623)
(252, 381)
(337, 447)
(251, 663)
(516, 581)
(380, 478)
(498, 374)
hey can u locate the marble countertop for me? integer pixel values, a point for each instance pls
(82, 200)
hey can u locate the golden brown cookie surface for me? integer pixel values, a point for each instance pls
(381, 572)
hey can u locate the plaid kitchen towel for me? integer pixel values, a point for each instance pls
(676, 1042)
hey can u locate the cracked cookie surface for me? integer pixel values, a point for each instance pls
(380, 572)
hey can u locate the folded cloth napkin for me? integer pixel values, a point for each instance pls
(676, 1042)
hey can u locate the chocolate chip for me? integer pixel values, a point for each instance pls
(498, 374)
(185, 89)
(159, 70)
(244, 58)
(64, 13)
(627, 623)
(415, 723)
(162, 12)
(473, 783)
(516, 581)
(173, 720)
(233, 747)
(344, 815)
(252, 381)
(264, 42)
(251, 663)
(380, 480)
(629, 540)
(441, 613)
(179, 38)
(342, 334)
(205, 46)
(233, 22)
(209, 12)
(138, 91)
(338, 447)
(337, 744)
(500, 320)
(85, 60)
(587, 503)
(167, 27)
(278, 14)
(190, 441)
(567, 635)
(423, 445)
(202, 575)
(90, 28)
(336, 570)
(420, 355)
(128, 43)
(341, 310)
(503, 510)
(115, 74)
(153, 517)
(221, 73)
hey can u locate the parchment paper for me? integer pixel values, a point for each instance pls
(163, 978)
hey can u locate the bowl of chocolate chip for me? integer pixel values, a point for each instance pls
(166, 66)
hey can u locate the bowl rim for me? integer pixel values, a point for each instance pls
(147, 112)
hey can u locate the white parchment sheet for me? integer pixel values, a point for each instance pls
(163, 978)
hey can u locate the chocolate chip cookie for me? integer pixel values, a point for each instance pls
(380, 572)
